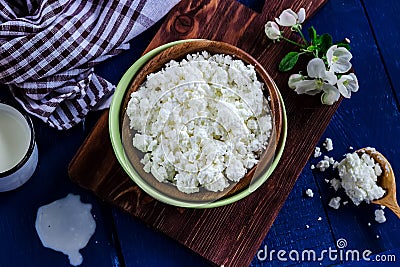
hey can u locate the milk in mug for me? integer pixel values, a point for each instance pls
(18, 151)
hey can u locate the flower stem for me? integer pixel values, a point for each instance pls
(302, 36)
(292, 42)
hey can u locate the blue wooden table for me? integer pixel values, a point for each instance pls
(370, 118)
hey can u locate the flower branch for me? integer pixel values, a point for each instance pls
(327, 71)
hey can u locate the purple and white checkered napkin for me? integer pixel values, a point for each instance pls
(48, 49)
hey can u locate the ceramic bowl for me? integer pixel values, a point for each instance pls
(129, 157)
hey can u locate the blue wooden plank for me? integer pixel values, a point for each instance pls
(290, 232)
(357, 123)
(370, 118)
(385, 22)
(387, 258)
(142, 246)
(19, 243)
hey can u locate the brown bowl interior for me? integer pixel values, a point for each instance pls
(177, 53)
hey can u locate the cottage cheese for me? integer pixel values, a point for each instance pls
(309, 193)
(201, 122)
(335, 183)
(335, 203)
(328, 144)
(380, 216)
(317, 152)
(325, 163)
(359, 175)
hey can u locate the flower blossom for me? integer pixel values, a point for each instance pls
(347, 84)
(289, 18)
(272, 30)
(322, 80)
(338, 59)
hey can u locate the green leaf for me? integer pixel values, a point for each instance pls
(289, 61)
(313, 34)
(325, 43)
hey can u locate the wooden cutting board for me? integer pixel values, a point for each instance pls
(229, 235)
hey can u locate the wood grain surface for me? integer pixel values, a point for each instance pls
(228, 235)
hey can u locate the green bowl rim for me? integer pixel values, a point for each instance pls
(115, 135)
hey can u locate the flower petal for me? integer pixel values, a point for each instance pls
(354, 84)
(343, 90)
(308, 87)
(329, 54)
(341, 66)
(330, 95)
(294, 79)
(287, 18)
(343, 53)
(330, 77)
(272, 30)
(316, 68)
(302, 15)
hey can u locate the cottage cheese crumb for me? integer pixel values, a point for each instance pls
(324, 163)
(312, 167)
(351, 148)
(335, 183)
(309, 193)
(317, 152)
(383, 207)
(328, 144)
(319, 219)
(369, 224)
(359, 177)
(380, 216)
(307, 226)
(345, 203)
(335, 203)
(201, 122)
(335, 165)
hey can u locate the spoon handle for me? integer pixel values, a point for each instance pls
(394, 207)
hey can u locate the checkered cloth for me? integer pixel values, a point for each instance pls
(48, 49)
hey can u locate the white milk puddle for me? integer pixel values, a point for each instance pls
(66, 225)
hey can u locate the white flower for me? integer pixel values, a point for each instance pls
(323, 80)
(289, 18)
(316, 69)
(338, 59)
(272, 30)
(347, 84)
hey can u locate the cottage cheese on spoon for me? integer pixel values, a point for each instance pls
(201, 122)
(359, 175)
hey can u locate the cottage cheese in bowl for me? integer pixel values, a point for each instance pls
(201, 122)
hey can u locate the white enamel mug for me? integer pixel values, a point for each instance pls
(18, 149)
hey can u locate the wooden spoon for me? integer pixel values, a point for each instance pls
(387, 181)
